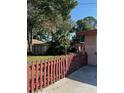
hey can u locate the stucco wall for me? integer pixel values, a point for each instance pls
(91, 49)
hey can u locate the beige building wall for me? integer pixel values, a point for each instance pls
(91, 49)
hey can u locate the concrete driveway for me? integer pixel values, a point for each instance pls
(81, 81)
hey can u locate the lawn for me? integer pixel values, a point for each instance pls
(31, 59)
(34, 58)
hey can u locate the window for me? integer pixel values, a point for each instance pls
(82, 38)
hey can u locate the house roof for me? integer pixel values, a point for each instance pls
(35, 41)
(94, 31)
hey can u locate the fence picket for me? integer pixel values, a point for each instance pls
(59, 68)
(37, 69)
(51, 72)
(54, 71)
(44, 74)
(64, 68)
(66, 65)
(28, 78)
(41, 72)
(32, 78)
(48, 71)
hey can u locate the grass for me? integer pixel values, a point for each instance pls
(33, 59)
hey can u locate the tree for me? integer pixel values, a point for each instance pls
(90, 21)
(80, 25)
(84, 24)
(44, 14)
(60, 41)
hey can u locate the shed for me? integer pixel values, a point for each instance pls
(39, 47)
(90, 42)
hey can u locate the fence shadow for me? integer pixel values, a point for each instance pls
(76, 62)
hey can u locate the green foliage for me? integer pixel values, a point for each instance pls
(46, 16)
(88, 23)
(88, 27)
(91, 21)
(60, 39)
(80, 25)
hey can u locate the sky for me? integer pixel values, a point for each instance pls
(83, 9)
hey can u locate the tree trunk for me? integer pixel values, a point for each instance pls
(29, 39)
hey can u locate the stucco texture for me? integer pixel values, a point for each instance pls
(91, 48)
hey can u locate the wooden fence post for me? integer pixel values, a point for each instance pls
(51, 72)
(41, 74)
(56, 69)
(37, 76)
(44, 74)
(59, 67)
(48, 71)
(28, 78)
(32, 79)
(64, 66)
(54, 75)
(70, 60)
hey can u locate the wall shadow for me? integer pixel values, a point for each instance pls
(86, 74)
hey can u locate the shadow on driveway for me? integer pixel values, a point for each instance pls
(86, 74)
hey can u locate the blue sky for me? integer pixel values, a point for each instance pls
(84, 9)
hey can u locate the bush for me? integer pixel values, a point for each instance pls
(57, 49)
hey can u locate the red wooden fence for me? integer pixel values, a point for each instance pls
(42, 73)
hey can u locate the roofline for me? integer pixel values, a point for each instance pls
(86, 32)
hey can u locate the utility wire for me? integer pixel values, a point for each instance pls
(87, 4)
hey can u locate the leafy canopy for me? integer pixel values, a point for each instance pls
(48, 17)
(87, 23)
